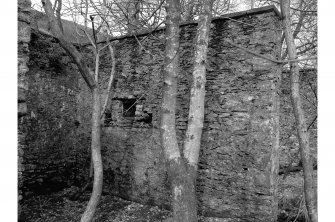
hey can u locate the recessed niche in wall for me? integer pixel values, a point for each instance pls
(128, 110)
(129, 107)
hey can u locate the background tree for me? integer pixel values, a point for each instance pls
(309, 191)
(303, 16)
(191, 9)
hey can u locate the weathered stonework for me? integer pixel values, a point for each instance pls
(54, 157)
(23, 57)
(236, 177)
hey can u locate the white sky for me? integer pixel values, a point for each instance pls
(37, 5)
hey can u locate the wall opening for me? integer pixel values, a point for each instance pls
(129, 108)
(134, 109)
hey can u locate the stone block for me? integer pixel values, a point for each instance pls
(24, 5)
(24, 17)
(24, 32)
(21, 95)
(22, 69)
(22, 83)
(22, 109)
(23, 49)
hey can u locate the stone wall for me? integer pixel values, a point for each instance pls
(54, 156)
(23, 58)
(240, 134)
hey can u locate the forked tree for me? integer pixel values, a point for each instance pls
(182, 162)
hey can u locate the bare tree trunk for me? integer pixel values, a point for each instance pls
(96, 149)
(189, 6)
(197, 98)
(182, 170)
(134, 16)
(309, 191)
(96, 109)
(181, 194)
(96, 158)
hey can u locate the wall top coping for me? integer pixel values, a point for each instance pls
(260, 10)
(235, 15)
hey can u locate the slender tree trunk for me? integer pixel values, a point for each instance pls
(252, 3)
(96, 158)
(134, 16)
(181, 194)
(182, 170)
(197, 97)
(197, 101)
(309, 191)
(92, 83)
(96, 148)
(189, 6)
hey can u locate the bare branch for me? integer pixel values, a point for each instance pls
(73, 52)
(111, 79)
(313, 89)
(59, 20)
(311, 124)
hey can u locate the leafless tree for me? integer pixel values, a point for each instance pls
(303, 16)
(182, 166)
(91, 78)
(309, 190)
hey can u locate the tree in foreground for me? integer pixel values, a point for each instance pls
(309, 190)
(91, 78)
(182, 164)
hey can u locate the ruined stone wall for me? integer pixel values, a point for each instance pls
(53, 155)
(23, 58)
(241, 118)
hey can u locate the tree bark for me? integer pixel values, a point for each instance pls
(176, 168)
(309, 191)
(96, 158)
(189, 6)
(96, 109)
(182, 169)
(180, 183)
(95, 149)
(111, 80)
(134, 16)
(197, 96)
(197, 101)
